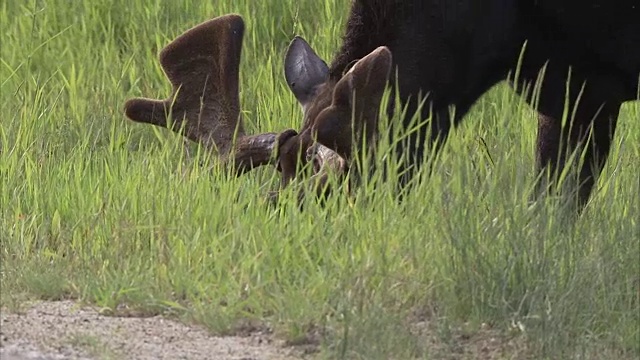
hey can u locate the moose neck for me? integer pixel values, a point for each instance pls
(370, 25)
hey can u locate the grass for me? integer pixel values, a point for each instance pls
(92, 345)
(98, 208)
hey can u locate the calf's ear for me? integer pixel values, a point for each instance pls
(304, 70)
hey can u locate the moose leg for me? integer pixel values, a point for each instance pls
(429, 130)
(590, 127)
(596, 147)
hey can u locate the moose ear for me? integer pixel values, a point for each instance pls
(304, 70)
(366, 80)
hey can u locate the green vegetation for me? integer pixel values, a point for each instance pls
(98, 208)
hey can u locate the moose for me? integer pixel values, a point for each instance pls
(582, 56)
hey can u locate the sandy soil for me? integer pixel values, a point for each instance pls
(56, 330)
(65, 330)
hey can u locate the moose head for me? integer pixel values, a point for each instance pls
(202, 65)
(339, 112)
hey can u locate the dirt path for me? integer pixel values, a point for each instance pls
(64, 330)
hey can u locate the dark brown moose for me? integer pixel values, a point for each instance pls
(582, 56)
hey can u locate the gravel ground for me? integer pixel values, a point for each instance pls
(65, 330)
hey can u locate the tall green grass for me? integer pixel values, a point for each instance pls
(118, 214)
